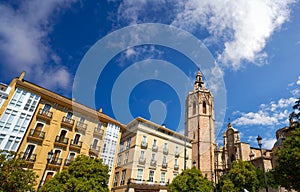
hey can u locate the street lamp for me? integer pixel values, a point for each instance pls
(259, 139)
(49, 157)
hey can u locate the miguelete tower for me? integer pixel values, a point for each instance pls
(200, 126)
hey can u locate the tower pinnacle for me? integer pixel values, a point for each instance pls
(199, 82)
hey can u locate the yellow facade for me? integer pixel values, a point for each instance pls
(150, 156)
(64, 126)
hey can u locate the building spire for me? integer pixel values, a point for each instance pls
(199, 82)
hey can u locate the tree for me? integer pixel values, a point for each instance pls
(287, 170)
(241, 176)
(270, 178)
(13, 175)
(190, 180)
(83, 174)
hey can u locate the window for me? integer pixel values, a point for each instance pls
(71, 156)
(194, 107)
(126, 157)
(69, 115)
(2, 136)
(176, 149)
(176, 162)
(12, 143)
(162, 177)
(153, 157)
(151, 175)
(32, 102)
(165, 147)
(142, 155)
(164, 160)
(62, 135)
(7, 119)
(95, 143)
(174, 175)
(48, 176)
(140, 175)
(116, 178)
(121, 146)
(154, 142)
(128, 143)
(204, 107)
(119, 160)
(144, 140)
(123, 177)
(47, 107)
(76, 139)
(29, 151)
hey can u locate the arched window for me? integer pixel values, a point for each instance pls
(204, 107)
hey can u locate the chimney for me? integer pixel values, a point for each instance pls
(22, 75)
(100, 110)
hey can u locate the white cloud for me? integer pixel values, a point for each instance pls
(242, 27)
(298, 82)
(270, 114)
(268, 143)
(25, 45)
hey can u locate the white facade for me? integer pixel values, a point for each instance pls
(108, 151)
(4, 91)
(16, 118)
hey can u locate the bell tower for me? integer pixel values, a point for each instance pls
(200, 126)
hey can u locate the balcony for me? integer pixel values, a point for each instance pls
(142, 161)
(176, 154)
(28, 158)
(165, 151)
(55, 162)
(164, 165)
(176, 167)
(153, 163)
(75, 145)
(154, 148)
(36, 135)
(67, 122)
(98, 132)
(94, 150)
(144, 145)
(44, 114)
(61, 141)
(81, 127)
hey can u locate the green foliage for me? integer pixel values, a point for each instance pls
(190, 180)
(270, 178)
(83, 174)
(287, 171)
(13, 175)
(241, 176)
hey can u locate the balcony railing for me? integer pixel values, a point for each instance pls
(68, 122)
(55, 161)
(164, 165)
(144, 145)
(165, 151)
(77, 144)
(176, 154)
(142, 161)
(95, 150)
(153, 163)
(27, 157)
(98, 132)
(36, 135)
(176, 167)
(61, 140)
(80, 126)
(154, 148)
(44, 114)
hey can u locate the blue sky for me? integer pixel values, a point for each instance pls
(255, 46)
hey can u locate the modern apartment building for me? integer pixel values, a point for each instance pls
(36, 122)
(150, 156)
